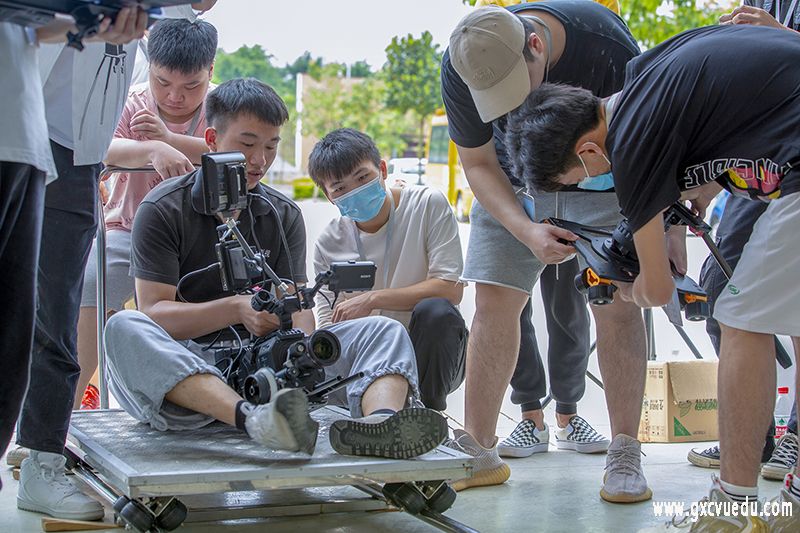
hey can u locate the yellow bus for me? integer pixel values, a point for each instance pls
(443, 170)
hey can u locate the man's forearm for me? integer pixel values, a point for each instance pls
(129, 153)
(191, 147)
(190, 320)
(406, 298)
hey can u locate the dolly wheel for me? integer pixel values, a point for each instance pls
(441, 500)
(172, 516)
(137, 516)
(405, 496)
(120, 504)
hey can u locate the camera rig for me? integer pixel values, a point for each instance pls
(87, 13)
(286, 357)
(611, 257)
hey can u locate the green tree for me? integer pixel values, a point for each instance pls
(411, 74)
(358, 104)
(653, 21)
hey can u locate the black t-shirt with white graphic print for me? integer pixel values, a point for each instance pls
(714, 103)
(598, 45)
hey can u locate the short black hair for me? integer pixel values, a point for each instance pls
(182, 46)
(541, 133)
(244, 96)
(339, 153)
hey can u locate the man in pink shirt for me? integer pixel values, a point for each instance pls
(162, 126)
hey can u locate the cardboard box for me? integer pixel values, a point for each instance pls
(680, 402)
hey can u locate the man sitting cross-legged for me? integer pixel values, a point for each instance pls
(158, 369)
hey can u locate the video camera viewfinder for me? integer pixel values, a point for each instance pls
(224, 182)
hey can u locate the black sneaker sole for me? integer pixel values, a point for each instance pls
(405, 434)
(293, 405)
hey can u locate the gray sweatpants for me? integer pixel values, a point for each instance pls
(144, 363)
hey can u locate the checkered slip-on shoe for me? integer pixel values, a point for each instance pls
(525, 440)
(581, 437)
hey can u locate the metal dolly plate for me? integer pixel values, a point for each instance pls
(115, 451)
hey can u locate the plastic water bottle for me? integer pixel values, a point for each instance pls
(783, 410)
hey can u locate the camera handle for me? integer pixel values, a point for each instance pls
(680, 215)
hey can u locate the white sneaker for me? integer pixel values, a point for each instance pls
(624, 481)
(525, 440)
(284, 423)
(44, 488)
(581, 437)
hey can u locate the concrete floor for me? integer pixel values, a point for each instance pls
(552, 492)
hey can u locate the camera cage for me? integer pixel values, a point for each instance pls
(286, 357)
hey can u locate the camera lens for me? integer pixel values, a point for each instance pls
(324, 347)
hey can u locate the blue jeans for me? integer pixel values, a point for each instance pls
(70, 223)
(21, 204)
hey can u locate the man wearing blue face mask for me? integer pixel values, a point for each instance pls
(411, 235)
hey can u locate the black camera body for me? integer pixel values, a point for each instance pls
(285, 358)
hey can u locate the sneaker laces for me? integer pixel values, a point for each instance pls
(625, 460)
(57, 480)
(713, 450)
(786, 450)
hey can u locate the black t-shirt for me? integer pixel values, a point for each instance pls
(171, 238)
(598, 45)
(715, 103)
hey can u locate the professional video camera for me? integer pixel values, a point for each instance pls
(286, 357)
(612, 257)
(87, 13)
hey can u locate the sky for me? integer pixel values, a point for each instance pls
(337, 30)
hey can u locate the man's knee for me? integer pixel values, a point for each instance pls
(499, 304)
(121, 328)
(437, 311)
(619, 314)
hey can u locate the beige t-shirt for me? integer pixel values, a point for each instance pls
(424, 244)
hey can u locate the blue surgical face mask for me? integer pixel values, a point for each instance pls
(363, 203)
(601, 182)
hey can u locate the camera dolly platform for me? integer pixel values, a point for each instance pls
(156, 480)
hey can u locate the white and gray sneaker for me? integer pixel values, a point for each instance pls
(487, 467)
(581, 437)
(44, 488)
(783, 459)
(624, 481)
(284, 423)
(525, 440)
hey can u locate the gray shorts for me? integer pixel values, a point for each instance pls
(763, 295)
(119, 282)
(144, 363)
(496, 257)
